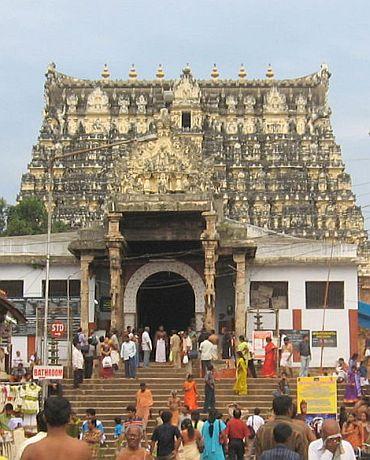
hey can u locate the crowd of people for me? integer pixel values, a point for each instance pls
(186, 429)
(184, 434)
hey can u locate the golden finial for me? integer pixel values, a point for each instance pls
(242, 72)
(105, 72)
(215, 73)
(160, 72)
(270, 72)
(132, 74)
(186, 70)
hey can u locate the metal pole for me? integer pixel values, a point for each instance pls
(47, 277)
(69, 354)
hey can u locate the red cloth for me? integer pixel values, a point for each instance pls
(237, 429)
(269, 366)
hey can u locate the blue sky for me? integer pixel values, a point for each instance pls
(295, 36)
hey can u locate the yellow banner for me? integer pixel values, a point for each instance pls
(320, 393)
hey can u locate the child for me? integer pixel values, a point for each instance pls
(159, 420)
(118, 428)
(283, 387)
(118, 433)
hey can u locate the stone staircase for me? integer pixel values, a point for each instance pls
(110, 397)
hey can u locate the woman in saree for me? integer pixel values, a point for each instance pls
(240, 386)
(93, 438)
(353, 387)
(269, 366)
(191, 441)
(107, 365)
(190, 393)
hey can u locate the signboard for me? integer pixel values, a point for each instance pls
(259, 342)
(48, 372)
(295, 335)
(105, 304)
(324, 339)
(320, 393)
(58, 329)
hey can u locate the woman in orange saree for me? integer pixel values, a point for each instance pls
(269, 366)
(190, 393)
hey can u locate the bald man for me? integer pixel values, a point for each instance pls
(331, 446)
(133, 451)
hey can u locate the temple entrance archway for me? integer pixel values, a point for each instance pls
(181, 273)
(165, 298)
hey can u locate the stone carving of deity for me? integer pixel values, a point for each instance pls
(97, 101)
(72, 101)
(249, 102)
(231, 103)
(123, 104)
(141, 104)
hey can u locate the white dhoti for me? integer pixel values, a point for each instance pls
(160, 352)
(286, 359)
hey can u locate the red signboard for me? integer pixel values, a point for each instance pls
(58, 329)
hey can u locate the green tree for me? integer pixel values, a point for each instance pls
(29, 217)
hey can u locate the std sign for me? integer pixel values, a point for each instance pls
(58, 329)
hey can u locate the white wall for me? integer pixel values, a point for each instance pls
(32, 277)
(336, 320)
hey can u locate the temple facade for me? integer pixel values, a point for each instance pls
(202, 202)
(264, 150)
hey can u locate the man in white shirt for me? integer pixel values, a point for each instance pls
(41, 434)
(255, 420)
(146, 346)
(78, 365)
(207, 351)
(331, 446)
(17, 359)
(128, 352)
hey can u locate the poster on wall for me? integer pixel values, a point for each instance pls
(295, 335)
(259, 342)
(324, 339)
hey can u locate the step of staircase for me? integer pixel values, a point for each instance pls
(111, 397)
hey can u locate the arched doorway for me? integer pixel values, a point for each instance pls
(165, 298)
(130, 309)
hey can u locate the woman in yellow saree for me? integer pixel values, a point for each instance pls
(240, 386)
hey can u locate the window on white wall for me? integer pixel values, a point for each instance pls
(315, 294)
(58, 288)
(13, 288)
(269, 294)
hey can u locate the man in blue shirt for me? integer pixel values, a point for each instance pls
(91, 415)
(282, 432)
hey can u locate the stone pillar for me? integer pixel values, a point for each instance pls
(85, 261)
(240, 294)
(115, 242)
(209, 239)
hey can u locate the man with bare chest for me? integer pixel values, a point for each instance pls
(57, 445)
(133, 451)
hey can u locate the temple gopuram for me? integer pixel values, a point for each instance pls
(202, 180)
